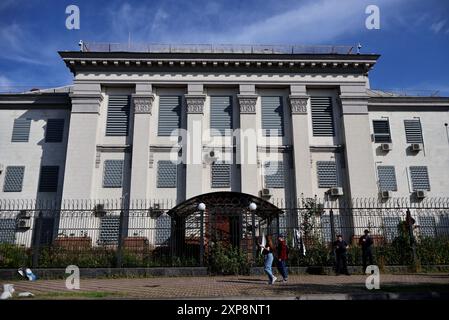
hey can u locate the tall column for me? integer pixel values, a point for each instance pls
(299, 102)
(194, 154)
(81, 147)
(247, 140)
(357, 135)
(142, 103)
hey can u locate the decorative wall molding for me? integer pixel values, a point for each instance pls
(298, 104)
(247, 103)
(113, 148)
(143, 104)
(278, 149)
(195, 103)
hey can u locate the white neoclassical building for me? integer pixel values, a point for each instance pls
(171, 123)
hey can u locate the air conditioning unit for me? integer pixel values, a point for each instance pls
(386, 194)
(386, 146)
(211, 157)
(155, 211)
(99, 210)
(265, 193)
(420, 194)
(416, 147)
(336, 191)
(23, 223)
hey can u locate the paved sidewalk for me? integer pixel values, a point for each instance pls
(232, 287)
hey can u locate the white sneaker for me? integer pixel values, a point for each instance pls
(274, 280)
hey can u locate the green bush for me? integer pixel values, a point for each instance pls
(228, 260)
(12, 256)
(53, 257)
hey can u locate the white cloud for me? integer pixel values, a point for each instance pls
(437, 26)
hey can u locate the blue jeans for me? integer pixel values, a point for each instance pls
(282, 267)
(268, 262)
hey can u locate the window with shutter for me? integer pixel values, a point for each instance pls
(322, 117)
(420, 178)
(54, 131)
(387, 178)
(413, 131)
(169, 114)
(274, 174)
(381, 131)
(117, 122)
(272, 116)
(427, 226)
(48, 179)
(166, 174)
(14, 179)
(8, 230)
(221, 175)
(327, 174)
(113, 174)
(221, 114)
(21, 130)
(109, 230)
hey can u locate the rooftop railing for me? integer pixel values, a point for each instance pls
(214, 48)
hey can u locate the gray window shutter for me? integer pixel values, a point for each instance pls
(7, 230)
(413, 131)
(113, 173)
(221, 114)
(48, 179)
(163, 229)
(274, 174)
(221, 175)
(420, 178)
(13, 179)
(117, 123)
(21, 130)
(322, 116)
(327, 174)
(169, 114)
(390, 227)
(166, 174)
(427, 226)
(109, 230)
(54, 131)
(387, 178)
(381, 131)
(272, 116)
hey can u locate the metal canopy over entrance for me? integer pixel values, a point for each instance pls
(227, 219)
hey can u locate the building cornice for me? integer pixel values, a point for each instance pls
(232, 62)
(37, 100)
(391, 102)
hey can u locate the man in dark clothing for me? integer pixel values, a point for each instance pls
(366, 243)
(282, 256)
(340, 247)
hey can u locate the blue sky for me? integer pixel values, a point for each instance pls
(413, 38)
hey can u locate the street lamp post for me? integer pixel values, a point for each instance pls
(201, 208)
(252, 208)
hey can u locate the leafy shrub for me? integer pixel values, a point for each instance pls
(228, 260)
(12, 256)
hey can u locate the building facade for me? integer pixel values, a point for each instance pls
(171, 125)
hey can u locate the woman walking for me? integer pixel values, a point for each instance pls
(267, 251)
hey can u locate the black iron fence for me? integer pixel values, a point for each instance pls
(223, 236)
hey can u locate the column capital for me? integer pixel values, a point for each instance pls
(247, 103)
(298, 103)
(195, 103)
(86, 102)
(143, 103)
